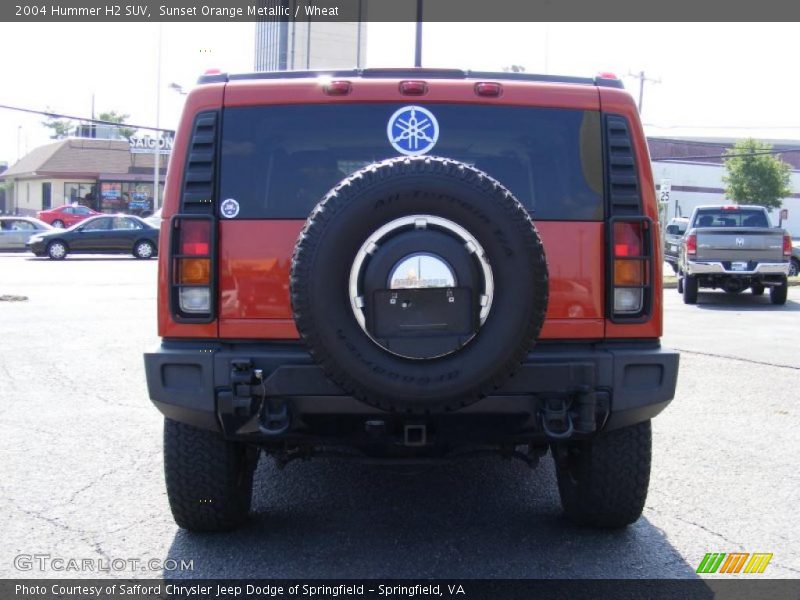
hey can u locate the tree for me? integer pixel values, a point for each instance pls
(754, 176)
(113, 117)
(60, 127)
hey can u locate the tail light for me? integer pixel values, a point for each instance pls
(691, 244)
(192, 273)
(787, 245)
(631, 268)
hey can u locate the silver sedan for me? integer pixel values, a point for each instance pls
(15, 231)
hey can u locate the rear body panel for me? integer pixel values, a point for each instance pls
(218, 374)
(254, 255)
(254, 279)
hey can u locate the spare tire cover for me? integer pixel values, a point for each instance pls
(445, 191)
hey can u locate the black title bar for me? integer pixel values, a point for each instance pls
(186, 11)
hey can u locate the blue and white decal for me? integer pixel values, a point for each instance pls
(413, 130)
(229, 208)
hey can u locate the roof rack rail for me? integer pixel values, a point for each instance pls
(409, 72)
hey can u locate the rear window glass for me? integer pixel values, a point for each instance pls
(731, 218)
(279, 161)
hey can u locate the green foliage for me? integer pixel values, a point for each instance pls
(60, 128)
(113, 117)
(754, 177)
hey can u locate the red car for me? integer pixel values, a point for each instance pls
(67, 215)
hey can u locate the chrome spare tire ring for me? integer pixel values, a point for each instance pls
(373, 242)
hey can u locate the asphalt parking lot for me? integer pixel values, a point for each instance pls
(82, 470)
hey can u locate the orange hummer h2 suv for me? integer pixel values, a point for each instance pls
(405, 266)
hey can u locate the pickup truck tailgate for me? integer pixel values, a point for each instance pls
(739, 244)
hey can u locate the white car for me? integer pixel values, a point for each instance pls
(155, 219)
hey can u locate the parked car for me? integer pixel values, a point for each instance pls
(105, 234)
(734, 248)
(66, 215)
(794, 263)
(342, 272)
(673, 235)
(15, 231)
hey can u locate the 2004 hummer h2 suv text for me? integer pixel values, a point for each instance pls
(409, 265)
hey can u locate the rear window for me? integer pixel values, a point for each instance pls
(718, 217)
(278, 161)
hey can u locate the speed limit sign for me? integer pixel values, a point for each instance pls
(664, 190)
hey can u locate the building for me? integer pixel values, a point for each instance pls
(284, 45)
(694, 168)
(101, 174)
(3, 168)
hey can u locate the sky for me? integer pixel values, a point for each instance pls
(720, 80)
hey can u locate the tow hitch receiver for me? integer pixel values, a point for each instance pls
(556, 419)
(564, 416)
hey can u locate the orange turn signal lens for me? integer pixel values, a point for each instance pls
(194, 271)
(628, 272)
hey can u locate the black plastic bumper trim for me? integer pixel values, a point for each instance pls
(185, 378)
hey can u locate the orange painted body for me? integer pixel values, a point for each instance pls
(254, 255)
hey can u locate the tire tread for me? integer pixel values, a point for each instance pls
(202, 472)
(616, 476)
(362, 181)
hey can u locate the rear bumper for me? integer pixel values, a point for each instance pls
(718, 268)
(217, 386)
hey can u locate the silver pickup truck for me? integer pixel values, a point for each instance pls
(734, 248)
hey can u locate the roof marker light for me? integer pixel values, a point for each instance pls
(338, 88)
(607, 75)
(413, 88)
(490, 89)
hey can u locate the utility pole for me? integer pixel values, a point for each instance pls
(641, 77)
(156, 149)
(418, 44)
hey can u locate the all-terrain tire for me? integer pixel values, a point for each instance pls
(690, 289)
(354, 210)
(757, 289)
(209, 479)
(603, 482)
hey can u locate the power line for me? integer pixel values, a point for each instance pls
(55, 115)
(642, 79)
(725, 155)
(656, 126)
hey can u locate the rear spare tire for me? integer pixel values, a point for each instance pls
(419, 284)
